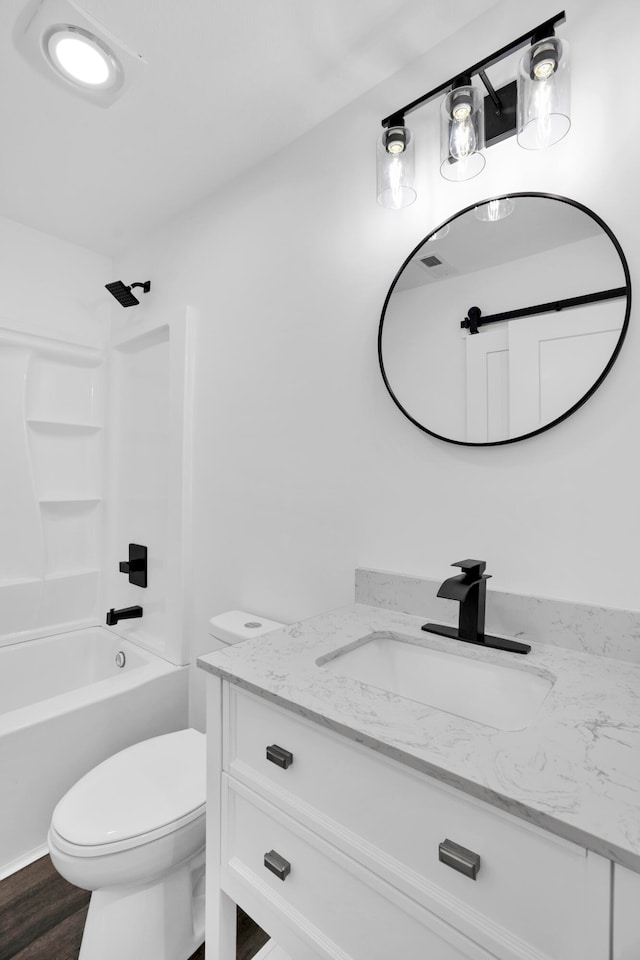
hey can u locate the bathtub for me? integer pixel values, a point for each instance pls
(65, 705)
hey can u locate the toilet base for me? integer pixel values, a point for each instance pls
(160, 921)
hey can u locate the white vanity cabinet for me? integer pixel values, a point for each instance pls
(626, 910)
(352, 839)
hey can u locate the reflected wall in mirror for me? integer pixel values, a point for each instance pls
(505, 320)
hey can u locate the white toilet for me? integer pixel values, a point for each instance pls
(132, 830)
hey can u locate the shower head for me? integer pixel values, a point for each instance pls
(123, 294)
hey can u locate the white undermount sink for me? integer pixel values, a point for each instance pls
(503, 697)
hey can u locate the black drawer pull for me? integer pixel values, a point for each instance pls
(277, 864)
(463, 860)
(278, 755)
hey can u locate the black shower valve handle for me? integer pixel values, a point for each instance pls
(136, 565)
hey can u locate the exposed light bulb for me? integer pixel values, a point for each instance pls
(439, 234)
(395, 177)
(461, 112)
(542, 105)
(395, 168)
(544, 69)
(544, 94)
(495, 210)
(462, 139)
(396, 140)
(544, 59)
(461, 134)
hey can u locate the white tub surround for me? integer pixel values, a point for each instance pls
(52, 399)
(66, 707)
(603, 631)
(148, 473)
(574, 771)
(97, 456)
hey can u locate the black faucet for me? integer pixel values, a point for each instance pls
(469, 588)
(127, 613)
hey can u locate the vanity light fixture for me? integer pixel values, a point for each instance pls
(439, 234)
(536, 106)
(494, 210)
(544, 94)
(462, 132)
(395, 163)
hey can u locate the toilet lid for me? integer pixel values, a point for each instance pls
(142, 789)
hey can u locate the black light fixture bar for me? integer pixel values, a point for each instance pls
(475, 318)
(495, 99)
(543, 29)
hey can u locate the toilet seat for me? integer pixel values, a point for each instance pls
(145, 792)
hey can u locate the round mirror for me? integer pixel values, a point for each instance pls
(505, 320)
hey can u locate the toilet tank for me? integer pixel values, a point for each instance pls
(236, 625)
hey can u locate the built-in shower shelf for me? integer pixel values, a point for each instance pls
(62, 426)
(68, 574)
(52, 403)
(18, 581)
(56, 500)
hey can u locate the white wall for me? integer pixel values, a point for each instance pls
(51, 287)
(303, 466)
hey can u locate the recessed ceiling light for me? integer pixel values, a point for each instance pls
(76, 52)
(82, 58)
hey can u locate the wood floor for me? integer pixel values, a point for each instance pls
(42, 918)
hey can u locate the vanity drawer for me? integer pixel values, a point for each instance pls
(533, 894)
(335, 907)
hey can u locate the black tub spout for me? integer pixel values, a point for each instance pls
(126, 613)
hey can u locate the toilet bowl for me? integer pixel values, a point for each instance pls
(132, 831)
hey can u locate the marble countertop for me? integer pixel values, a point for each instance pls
(574, 771)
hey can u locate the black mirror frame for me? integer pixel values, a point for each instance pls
(594, 386)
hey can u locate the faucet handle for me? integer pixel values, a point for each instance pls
(473, 569)
(136, 565)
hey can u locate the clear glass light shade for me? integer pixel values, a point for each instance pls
(544, 94)
(495, 209)
(462, 134)
(395, 167)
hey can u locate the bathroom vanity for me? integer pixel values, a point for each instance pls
(353, 822)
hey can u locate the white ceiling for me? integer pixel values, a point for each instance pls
(252, 73)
